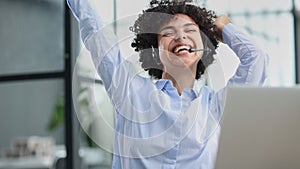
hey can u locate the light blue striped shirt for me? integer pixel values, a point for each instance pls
(156, 127)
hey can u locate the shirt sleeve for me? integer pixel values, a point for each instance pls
(101, 42)
(89, 23)
(251, 70)
(253, 60)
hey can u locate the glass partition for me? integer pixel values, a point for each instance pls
(32, 36)
(32, 83)
(31, 128)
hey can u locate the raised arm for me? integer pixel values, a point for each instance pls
(102, 44)
(253, 60)
(116, 72)
(89, 23)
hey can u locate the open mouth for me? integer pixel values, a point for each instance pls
(180, 49)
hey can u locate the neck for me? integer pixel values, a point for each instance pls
(181, 79)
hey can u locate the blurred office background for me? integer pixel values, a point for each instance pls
(54, 112)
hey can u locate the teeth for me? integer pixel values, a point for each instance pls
(177, 49)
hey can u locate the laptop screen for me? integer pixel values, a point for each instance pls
(260, 129)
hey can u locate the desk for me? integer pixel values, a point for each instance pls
(27, 162)
(92, 157)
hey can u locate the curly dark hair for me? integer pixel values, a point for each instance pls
(147, 25)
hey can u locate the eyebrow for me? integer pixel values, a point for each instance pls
(173, 27)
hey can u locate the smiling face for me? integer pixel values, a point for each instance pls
(175, 39)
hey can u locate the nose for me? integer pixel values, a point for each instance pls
(180, 36)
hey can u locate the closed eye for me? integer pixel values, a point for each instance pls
(168, 34)
(191, 30)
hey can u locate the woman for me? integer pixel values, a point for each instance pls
(167, 123)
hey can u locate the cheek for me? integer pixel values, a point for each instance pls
(199, 42)
(164, 43)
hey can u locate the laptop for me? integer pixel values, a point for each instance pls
(260, 129)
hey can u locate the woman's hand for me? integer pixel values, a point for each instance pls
(220, 23)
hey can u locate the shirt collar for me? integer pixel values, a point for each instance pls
(167, 84)
(162, 83)
(190, 93)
